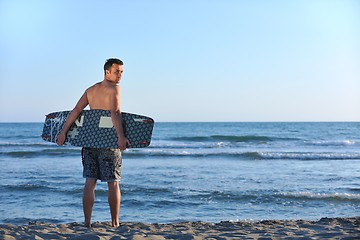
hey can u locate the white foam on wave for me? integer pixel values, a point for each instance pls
(333, 142)
(309, 155)
(310, 195)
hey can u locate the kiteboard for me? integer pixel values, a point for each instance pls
(94, 128)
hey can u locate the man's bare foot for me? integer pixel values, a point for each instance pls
(115, 224)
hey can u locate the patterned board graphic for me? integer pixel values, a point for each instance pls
(93, 128)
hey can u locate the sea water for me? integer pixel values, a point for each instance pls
(191, 172)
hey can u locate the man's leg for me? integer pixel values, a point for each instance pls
(114, 197)
(88, 200)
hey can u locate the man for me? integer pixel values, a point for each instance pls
(103, 164)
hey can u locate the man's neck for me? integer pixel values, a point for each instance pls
(109, 82)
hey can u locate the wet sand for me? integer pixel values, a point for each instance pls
(325, 228)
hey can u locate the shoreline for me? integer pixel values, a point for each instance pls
(337, 228)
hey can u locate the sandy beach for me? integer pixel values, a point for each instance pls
(325, 228)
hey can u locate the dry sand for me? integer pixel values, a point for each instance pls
(325, 228)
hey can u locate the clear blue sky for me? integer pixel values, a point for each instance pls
(185, 60)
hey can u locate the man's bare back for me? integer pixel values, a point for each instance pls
(99, 95)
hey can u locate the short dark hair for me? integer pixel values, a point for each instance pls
(109, 62)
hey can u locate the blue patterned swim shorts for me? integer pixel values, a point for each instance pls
(102, 163)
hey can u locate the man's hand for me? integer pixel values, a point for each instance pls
(123, 143)
(61, 139)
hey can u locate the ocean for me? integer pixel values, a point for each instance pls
(191, 172)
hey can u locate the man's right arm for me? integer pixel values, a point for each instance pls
(116, 118)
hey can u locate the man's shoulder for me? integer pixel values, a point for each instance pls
(96, 85)
(113, 88)
(105, 85)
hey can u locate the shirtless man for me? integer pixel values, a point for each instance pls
(103, 164)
